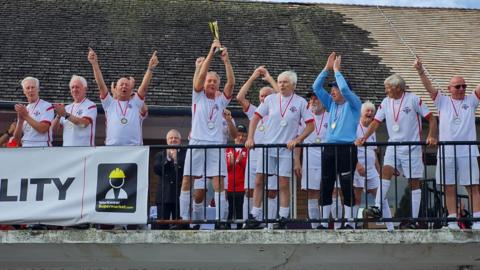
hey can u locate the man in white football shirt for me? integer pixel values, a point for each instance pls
(207, 128)
(34, 120)
(456, 164)
(310, 170)
(285, 110)
(123, 121)
(78, 118)
(251, 169)
(402, 111)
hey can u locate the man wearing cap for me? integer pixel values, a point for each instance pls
(236, 164)
(285, 110)
(344, 107)
(260, 133)
(310, 170)
(456, 164)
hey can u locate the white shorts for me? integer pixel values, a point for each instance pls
(273, 164)
(359, 182)
(314, 178)
(215, 160)
(200, 183)
(466, 168)
(251, 172)
(403, 164)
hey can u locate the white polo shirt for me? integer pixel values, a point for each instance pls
(405, 113)
(463, 129)
(207, 117)
(123, 121)
(41, 111)
(288, 110)
(317, 136)
(74, 135)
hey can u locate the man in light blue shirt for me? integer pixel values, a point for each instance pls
(344, 107)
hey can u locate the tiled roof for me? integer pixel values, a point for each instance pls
(49, 40)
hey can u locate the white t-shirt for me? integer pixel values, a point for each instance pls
(207, 117)
(315, 153)
(371, 156)
(288, 110)
(74, 135)
(41, 111)
(462, 129)
(404, 113)
(123, 122)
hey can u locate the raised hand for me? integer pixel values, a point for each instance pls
(153, 61)
(21, 110)
(224, 55)
(199, 61)
(337, 63)
(330, 60)
(418, 65)
(92, 56)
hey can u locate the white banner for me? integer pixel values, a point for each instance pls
(74, 185)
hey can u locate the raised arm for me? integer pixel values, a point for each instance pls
(142, 90)
(317, 86)
(198, 65)
(228, 88)
(347, 93)
(268, 78)
(202, 74)
(241, 96)
(418, 65)
(97, 73)
(232, 130)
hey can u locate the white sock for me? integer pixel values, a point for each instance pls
(416, 198)
(257, 213)
(247, 206)
(272, 207)
(225, 209)
(337, 212)
(197, 211)
(326, 209)
(381, 195)
(348, 216)
(313, 211)
(220, 204)
(284, 212)
(387, 213)
(184, 204)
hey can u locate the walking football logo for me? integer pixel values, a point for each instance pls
(117, 188)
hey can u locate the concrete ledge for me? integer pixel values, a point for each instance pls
(292, 249)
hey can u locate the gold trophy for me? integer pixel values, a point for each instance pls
(215, 33)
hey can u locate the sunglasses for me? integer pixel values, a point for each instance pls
(458, 86)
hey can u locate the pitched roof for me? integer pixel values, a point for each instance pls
(49, 40)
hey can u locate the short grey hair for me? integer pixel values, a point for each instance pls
(368, 105)
(35, 80)
(214, 74)
(174, 131)
(82, 80)
(292, 76)
(394, 81)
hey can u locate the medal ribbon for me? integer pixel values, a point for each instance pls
(213, 109)
(282, 112)
(73, 107)
(321, 123)
(34, 106)
(455, 109)
(121, 109)
(397, 115)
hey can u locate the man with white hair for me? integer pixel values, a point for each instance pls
(456, 164)
(285, 110)
(123, 111)
(251, 170)
(402, 111)
(34, 120)
(78, 118)
(207, 128)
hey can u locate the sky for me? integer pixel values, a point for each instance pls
(404, 3)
